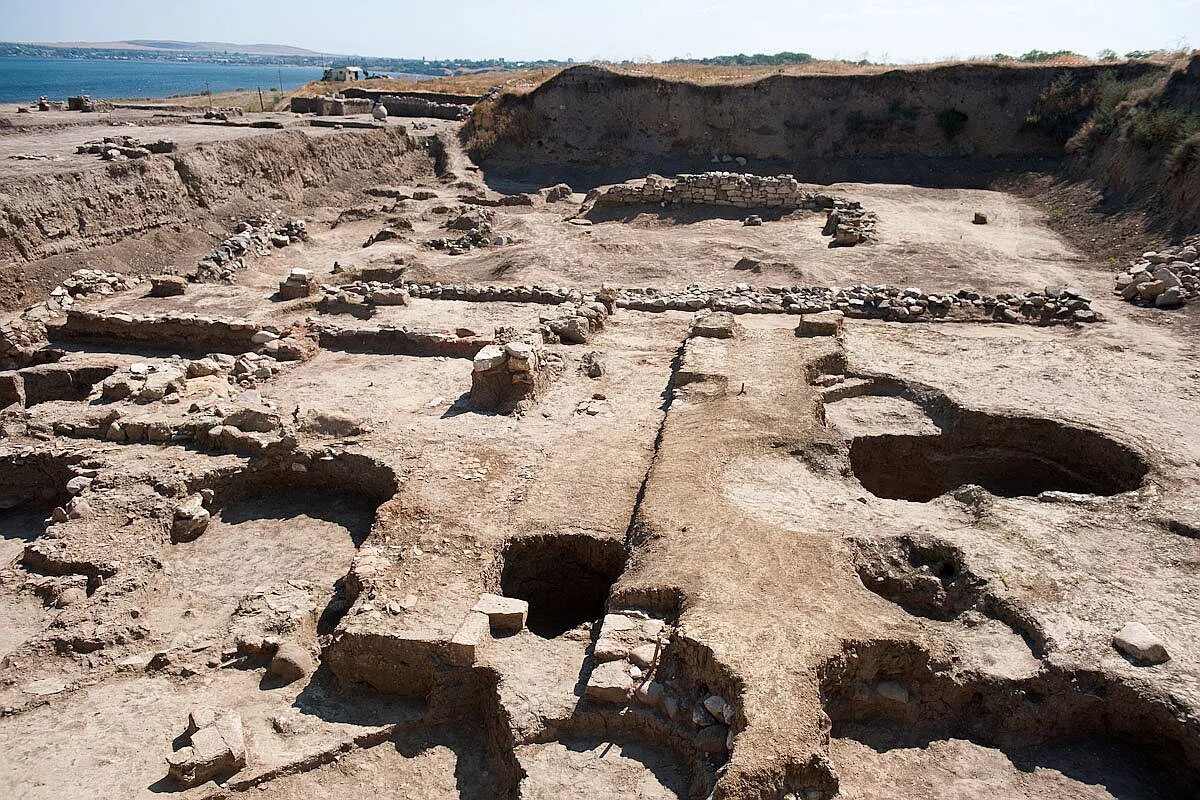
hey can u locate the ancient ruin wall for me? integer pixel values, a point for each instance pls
(896, 124)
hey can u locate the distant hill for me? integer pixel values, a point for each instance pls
(166, 45)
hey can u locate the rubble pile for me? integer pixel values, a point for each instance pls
(256, 235)
(507, 377)
(23, 335)
(476, 225)
(1167, 278)
(629, 672)
(112, 148)
(573, 323)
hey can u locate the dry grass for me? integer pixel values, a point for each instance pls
(273, 100)
(518, 81)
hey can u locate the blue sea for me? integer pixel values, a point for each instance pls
(24, 80)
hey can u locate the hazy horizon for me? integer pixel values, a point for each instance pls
(876, 30)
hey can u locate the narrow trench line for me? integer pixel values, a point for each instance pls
(631, 535)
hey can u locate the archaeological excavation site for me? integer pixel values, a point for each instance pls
(792, 438)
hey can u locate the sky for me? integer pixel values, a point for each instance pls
(877, 30)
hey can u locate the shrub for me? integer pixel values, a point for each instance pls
(1038, 56)
(1186, 154)
(1163, 127)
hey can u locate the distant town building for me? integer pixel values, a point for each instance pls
(344, 74)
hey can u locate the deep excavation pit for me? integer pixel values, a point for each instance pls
(1078, 734)
(1007, 456)
(565, 578)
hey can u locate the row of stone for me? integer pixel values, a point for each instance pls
(256, 235)
(629, 652)
(1166, 278)
(716, 188)
(1052, 305)
(1047, 307)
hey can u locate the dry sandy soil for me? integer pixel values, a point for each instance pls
(886, 563)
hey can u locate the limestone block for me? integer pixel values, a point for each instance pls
(506, 614)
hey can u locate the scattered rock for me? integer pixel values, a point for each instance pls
(1140, 644)
(216, 747)
(291, 662)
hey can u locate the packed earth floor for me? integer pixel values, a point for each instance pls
(471, 489)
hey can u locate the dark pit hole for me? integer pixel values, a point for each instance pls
(1009, 457)
(565, 579)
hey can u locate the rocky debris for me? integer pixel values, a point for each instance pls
(1167, 278)
(573, 323)
(1140, 644)
(849, 224)
(216, 746)
(479, 236)
(592, 364)
(189, 519)
(252, 236)
(505, 614)
(385, 234)
(752, 221)
(291, 662)
(23, 337)
(471, 219)
(112, 148)
(980, 218)
(167, 285)
(298, 283)
(557, 193)
(507, 377)
(714, 325)
(822, 323)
